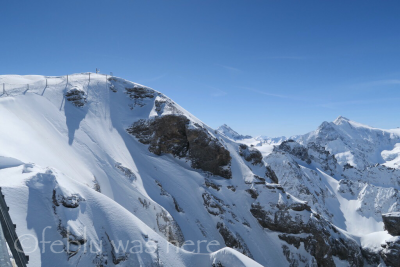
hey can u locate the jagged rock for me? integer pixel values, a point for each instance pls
(323, 240)
(294, 148)
(232, 188)
(391, 252)
(163, 104)
(347, 166)
(140, 92)
(126, 171)
(165, 193)
(271, 175)
(71, 201)
(169, 228)
(392, 222)
(253, 192)
(324, 158)
(250, 154)
(173, 134)
(209, 184)
(212, 205)
(372, 257)
(234, 241)
(177, 207)
(300, 206)
(76, 96)
(275, 186)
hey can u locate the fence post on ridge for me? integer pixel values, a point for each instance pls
(67, 79)
(4, 89)
(89, 76)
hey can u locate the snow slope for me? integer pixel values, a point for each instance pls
(84, 149)
(71, 164)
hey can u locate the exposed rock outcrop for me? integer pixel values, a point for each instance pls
(139, 93)
(176, 135)
(76, 96)
(299, 225)
(391, 252)
(392, 223)
(250, 154)
(232, 240)
(294, 148)
(271, 175)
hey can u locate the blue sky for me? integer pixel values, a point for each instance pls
(263, 67)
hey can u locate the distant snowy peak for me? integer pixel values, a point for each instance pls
(276, 140)
(340, 120)
(356, 144)
(231, 134)
(271, 140)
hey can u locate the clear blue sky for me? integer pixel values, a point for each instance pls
(263, 67)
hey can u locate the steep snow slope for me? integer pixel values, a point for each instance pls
(78, 131)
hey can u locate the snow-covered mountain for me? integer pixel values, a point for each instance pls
(356, 144)
(272, 140)
(230, 133)
(113, 173)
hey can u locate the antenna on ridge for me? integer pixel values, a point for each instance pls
(97, 70)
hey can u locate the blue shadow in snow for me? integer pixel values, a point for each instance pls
(74, 116)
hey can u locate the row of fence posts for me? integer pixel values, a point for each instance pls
(5, 93)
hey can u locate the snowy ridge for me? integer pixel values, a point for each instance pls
(108, 160)
(230, 133)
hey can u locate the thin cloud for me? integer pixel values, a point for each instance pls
(229, 68)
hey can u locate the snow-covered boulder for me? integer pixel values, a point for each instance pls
(76, 96)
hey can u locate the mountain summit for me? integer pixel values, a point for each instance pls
(230, 133)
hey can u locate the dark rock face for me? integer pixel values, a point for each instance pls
(172, 134)
(138, 94)
(319, 154)
(234, 241)
(372, 257)
(271, 175)
(392, 222)
(295, 149)
(71, 201)
(212, 204)
(76, 96)
(323, 240)
(391, 252)
(250, 154)
(253, 192)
